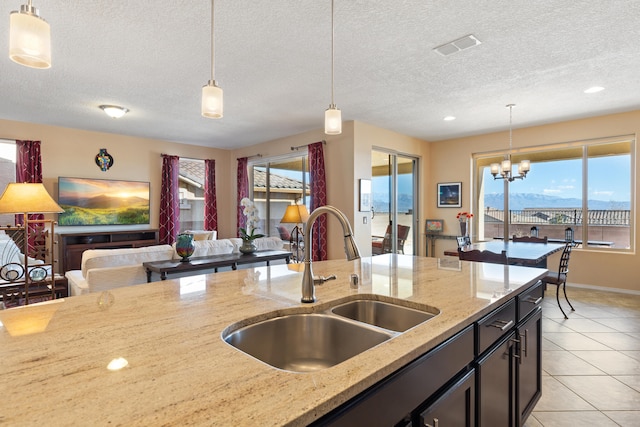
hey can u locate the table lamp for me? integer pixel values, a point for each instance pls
(295, 214)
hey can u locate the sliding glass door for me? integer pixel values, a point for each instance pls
(395, 201)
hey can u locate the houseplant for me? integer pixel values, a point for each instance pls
(248, 234)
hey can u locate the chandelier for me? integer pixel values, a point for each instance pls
(504, 169)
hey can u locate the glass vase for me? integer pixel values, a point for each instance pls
(185, 246)
(248, 247)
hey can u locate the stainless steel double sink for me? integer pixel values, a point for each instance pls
(304, 342)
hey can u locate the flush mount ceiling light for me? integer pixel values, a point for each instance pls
(594, 89)
(211, 93)
(332, 115)
(504, 169)
(114, 111)
(29, 38)
(449, 118)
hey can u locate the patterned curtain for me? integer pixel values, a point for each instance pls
(29, 170)
(318, 189)
(210, 203)
(169, 200)
(243, 191)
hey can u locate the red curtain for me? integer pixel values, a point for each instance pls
(243, 191)
(29, 170)
(318, 189)
(210, 203)
(169, 200)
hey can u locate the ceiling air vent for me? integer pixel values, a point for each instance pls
(457, 45)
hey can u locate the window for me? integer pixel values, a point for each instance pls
(276, 184)
(7, 172)
(585, 186)
(191, 190)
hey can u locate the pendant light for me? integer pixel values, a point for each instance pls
(29, 38)
(504, 169)
(211, 94)
(333, 115)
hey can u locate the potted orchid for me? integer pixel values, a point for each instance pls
(463, 218)
(248, 234)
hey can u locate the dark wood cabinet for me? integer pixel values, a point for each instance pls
(454, 407)
(509, 371)
(73, 245)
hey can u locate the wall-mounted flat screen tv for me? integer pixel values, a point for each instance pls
(88, 201)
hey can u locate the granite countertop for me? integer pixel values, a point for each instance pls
(181, 372)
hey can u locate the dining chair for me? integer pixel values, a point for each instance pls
(559, 278)
(483, 256)
(384, 246)
(531, 239)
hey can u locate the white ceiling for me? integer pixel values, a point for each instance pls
(273, 63)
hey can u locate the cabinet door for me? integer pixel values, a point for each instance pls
(455, 407)
(496, 385)
(529, 366)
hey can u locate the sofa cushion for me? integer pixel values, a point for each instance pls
(99, 258)
(203, 234)
(262, 243)
(211, 247)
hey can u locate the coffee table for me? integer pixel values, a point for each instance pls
(212, 262)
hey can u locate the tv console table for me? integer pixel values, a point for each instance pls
(212, 262)
(72, 245)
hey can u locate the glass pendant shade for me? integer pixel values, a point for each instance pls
(29, 38)
(333, 121)
(525, 166)
(506, 166)
(212, 101)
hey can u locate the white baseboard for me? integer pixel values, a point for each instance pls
(603, 288)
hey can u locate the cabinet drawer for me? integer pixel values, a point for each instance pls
(494, 325)
(530, 300)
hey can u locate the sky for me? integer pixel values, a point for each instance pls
(609, 179)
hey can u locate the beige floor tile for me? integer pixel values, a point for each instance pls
(625, 418)
(616, 340)
(573, 419)
(593, 312)
(611, 362)
(554, 325)
(558, 397)
(532, 422)
(634, 354)
(574, 341)
(549, 346)
(623, 324)
(604, 392)
(586, 325)
(632, 381)
(566, 363)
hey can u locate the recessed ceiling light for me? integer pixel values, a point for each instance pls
(449, 118)
(114, 111)
(594, 89)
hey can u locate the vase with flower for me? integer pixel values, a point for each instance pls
(248, 234)
(463, 218)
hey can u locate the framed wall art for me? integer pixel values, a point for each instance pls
(449, 194)
(434, 225)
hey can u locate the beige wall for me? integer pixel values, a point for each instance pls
(594, 268)
(71, 152)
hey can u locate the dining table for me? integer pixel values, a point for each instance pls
(520, 253)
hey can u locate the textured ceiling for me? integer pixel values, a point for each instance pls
(273, 63)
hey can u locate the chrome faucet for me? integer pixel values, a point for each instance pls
(350, 248)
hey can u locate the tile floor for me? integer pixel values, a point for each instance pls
(590, 362)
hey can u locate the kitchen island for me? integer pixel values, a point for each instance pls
(181, 372)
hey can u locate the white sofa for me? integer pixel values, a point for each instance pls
(104, 269)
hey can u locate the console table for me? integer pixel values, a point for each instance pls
(212, 262)
(431, 242)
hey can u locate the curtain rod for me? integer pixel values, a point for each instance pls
(306, 145)
(182, 157)
(257, 156)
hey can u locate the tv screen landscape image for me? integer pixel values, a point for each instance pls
(89, 201)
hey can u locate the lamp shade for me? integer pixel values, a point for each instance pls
(333, 121)
(29, 38)
(212, 106)
(295, 214)
(26, 198)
